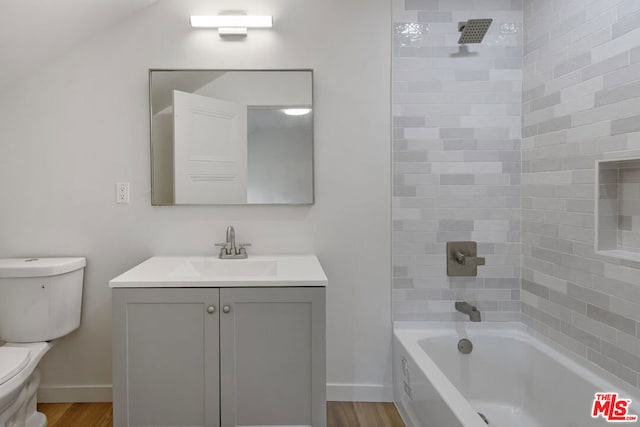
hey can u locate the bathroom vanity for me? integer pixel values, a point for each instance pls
(199, 341)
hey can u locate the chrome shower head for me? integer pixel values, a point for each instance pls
(474, 30)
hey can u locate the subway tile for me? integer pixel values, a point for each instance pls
(568, 343)
(628, 6)
(412, 157)
(459, 179)
(539, 315)
(422, 87)
(453, 236)
(408, 121)
(516, 4)
(460, 4)
(402, 283)
(567, 301)
(404, 191)
(535, 289)
(635, 55)
(621, 356)
(594, 327)
(572, 64)
(421, 4)
(578, 205)
(629, 263)
(460, 144)
(603, 67)
(400, 271)
(508, 63)
(626, 24)
(588, 295)
(555, 124)
(626, 125)
(514, 52)
(612, 319)
(456, 133)
(536, 92)
(581, 336)
(626, 308)
(545, 101)
(617, 94)
(456, 225)
(610, 365)
(480, 156)
(428, 17)
(471, 75)
(497, 5)
(536, 44)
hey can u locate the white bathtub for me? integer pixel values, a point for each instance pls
(511, 377)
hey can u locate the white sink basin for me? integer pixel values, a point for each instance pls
(171, 272)
(248, 267)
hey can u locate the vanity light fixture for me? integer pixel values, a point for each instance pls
(296, 111)
(235, 25)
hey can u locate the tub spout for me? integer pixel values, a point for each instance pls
(468, 309)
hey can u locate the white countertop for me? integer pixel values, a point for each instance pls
(193, 271)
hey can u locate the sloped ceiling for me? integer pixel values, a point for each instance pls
(34, 31)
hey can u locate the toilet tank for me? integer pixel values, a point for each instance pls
(40, 298)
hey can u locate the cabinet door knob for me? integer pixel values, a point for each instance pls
(226, 309)
(211, 309)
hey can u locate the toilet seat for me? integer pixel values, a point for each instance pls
(12, 361)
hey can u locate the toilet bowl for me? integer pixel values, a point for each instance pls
(40, 301)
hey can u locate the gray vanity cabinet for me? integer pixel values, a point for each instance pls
(219, 356)
(165, 357)
(272, 357)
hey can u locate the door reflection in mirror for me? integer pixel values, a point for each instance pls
(231, 137)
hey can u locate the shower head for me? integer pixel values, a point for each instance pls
(473, 30)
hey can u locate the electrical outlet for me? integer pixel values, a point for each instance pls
(122, 192)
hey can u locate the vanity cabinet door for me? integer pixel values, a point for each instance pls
(166, 357)
(272, 357)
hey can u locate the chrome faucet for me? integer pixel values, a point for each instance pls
(468, 309)
(229, 250)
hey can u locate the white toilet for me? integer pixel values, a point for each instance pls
(40, 300)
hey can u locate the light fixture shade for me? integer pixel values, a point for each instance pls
(231, 21)
(232, 31)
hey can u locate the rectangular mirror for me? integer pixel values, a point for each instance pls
(236, 137)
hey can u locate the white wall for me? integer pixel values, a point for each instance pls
(74, 127)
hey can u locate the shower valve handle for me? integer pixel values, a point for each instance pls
(462, 259)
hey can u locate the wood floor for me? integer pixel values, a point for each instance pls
(362, 414)
(339, 414)
(77, 414)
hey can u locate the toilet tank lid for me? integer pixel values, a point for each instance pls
(39, 267)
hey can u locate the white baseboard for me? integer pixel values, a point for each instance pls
(74, 393)
(343, 392)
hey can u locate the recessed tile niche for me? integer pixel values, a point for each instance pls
(618, 206)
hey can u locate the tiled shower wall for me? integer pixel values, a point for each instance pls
(581, 99)
(456, 156)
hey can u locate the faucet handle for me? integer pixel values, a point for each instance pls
(242, 251)
(223, 245)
